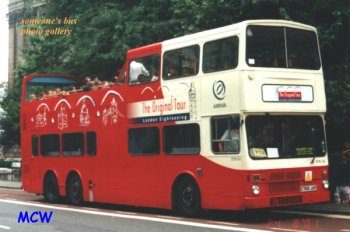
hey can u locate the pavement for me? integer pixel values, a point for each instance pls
(10, 184)
(326, 208)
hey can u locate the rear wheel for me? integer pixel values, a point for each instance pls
(74, 189)
(51, 193)
(187, 197)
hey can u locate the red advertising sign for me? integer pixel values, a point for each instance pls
(289, 93)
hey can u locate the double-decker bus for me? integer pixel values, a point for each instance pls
(230, 118)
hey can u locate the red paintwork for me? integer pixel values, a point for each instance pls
(137, 180)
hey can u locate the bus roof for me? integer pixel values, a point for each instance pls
(237, 26)
(204, 34)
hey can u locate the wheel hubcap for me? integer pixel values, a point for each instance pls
(51, 187)
(75, 189)
(187, 196)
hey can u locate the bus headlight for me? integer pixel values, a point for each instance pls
(255, 189)
(325, 184)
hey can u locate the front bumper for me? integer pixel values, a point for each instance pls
(286, 199)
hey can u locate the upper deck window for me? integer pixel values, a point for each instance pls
(181, 62)
(220, 54)
(282, 47)
(144, 70)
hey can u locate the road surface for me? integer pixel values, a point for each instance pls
(14, 204)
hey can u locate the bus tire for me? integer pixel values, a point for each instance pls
(187, 197)
(74, 189)
(51, 193)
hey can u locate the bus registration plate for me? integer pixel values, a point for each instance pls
(308, 188)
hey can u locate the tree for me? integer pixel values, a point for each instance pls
(103, 32)
(10, 123)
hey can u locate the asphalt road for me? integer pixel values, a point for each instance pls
(101, 217)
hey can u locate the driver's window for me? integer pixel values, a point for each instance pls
(225, 135)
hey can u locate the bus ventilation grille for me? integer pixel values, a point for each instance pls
(282, 176)
(280, 201)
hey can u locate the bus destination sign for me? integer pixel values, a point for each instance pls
(287, 93)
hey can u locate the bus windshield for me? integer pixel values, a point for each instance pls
(285, 136)
(282, 47)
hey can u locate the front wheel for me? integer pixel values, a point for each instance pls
(74, 189)
(187, 197)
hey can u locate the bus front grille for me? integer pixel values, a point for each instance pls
(280, 201)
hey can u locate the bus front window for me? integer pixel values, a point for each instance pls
(285, 136)
(282, 47)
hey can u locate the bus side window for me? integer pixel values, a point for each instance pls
(50, 145)
(91, 143)
(143, 141)
(73, 144)
(220, 54)
(225, 134)
(181, 139)
(182, 62)
(35, 145)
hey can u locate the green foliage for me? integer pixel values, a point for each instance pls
(10, 123)
(105, 30)
(197, 15)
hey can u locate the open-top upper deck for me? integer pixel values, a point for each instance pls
(256, 66)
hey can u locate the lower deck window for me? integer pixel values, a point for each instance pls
(181, 139)
(73, 144)
(91, 143)
(50, 145)
(35, 143)
(143, 141)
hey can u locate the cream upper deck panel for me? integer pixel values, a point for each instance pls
(245, 86)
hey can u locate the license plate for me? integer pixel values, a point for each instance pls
(308, 188)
